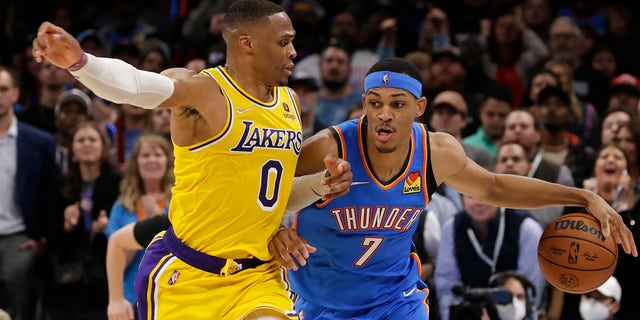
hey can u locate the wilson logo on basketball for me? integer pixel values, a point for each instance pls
(413, 183)
(579, 226)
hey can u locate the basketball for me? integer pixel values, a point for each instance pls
(573, 254)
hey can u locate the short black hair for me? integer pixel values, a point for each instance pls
(250, 11)
(554, 91)
(397, 65)
(499, 92)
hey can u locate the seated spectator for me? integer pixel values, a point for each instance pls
(481, 241)
(602, 303)
(493, 111)
(524, 293)
(145, 192)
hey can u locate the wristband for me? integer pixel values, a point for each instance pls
(79, 64)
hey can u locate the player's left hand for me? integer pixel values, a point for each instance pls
(287, 243)
(612, 224)
(339, 181)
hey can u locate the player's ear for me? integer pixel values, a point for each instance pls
(245, 42)
(421, 106)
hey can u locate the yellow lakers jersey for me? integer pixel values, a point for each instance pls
(232, 189)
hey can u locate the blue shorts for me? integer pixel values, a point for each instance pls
(410, 304)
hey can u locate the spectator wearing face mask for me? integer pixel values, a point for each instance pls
(603, 303)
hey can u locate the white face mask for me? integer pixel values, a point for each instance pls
(591, 309)
(516, 310)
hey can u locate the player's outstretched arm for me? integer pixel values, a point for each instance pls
(452, 166)
(112, 79)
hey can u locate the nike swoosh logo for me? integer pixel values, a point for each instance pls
(406, 294)
(355, 183)
(238, 110)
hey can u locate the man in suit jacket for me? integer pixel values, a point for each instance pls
(27, 167)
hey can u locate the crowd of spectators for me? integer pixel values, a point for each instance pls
(548, 89)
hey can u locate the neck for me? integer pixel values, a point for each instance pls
(336, 94)
(50, 95)
(387, 165)
(554, 140)
(89, 171)
(134, 122)
(152, 187)
(5, 123)
(248, 81)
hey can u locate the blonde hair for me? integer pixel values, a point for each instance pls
(132, 186)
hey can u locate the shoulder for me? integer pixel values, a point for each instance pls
(34, 134)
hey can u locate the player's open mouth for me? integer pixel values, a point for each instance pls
(384, 133)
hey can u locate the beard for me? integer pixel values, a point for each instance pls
(334, 85)
(554, 127)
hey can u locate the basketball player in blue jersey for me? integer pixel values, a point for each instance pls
(351, 257)
(237, 136)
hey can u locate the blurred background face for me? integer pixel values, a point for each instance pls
(52, 76)
(334, 67)
(624, 100)
(505, 29)
(624, 139)
(536, 13)
(565, 75)
(605, 62)
(492, 116)
(162, 121)
(69, 115)
(152, 162)
(564, 43)
(87, 145)
(540, 82)
(519, 127)
(555, 113)
(478, 211)
(611, 124)
(445, 118)
(609, 166)
(512, 159)
(9, 94)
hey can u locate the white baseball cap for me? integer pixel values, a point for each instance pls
(611, 288)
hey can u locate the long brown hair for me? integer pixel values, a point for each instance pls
(132, 186)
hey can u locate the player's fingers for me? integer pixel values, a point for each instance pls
(279, 251)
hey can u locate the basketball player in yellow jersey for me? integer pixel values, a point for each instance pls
(237, 137)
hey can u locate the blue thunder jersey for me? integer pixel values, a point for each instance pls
(364, 238)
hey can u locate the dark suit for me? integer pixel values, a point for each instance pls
(35, 170)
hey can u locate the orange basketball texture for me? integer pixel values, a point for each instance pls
(573, 254)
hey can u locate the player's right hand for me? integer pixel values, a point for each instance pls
(120, 309)
(56, 45)
(287, 243)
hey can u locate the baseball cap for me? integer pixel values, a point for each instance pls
(450, 52)
(303, 77)
(611, 288)
(451, 98)
(625, 83)
(74, 95)
(554, 91)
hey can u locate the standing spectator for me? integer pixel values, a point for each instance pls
(27, 168)
(53, 82)
(624, 92)
(564, 45)
(558, 145)
(513, 51)
(586, 120)
(73, 107)
(145, 192)
(78, 211)
(336, 94)
(480, 242)
(537, 15)
(493, 111)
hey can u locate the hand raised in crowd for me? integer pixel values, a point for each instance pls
(150, 205)
(287, 243)
(71, 216)
(100, 224)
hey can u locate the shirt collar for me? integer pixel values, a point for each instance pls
(13, 128)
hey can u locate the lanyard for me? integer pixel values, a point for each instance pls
(534, 164)
(496, 249)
